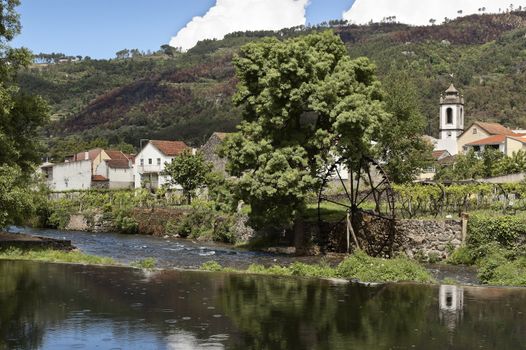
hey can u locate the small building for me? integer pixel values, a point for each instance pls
(482, 136)
(96, 168)
(151, 160)
(440, 158)
(209, 151)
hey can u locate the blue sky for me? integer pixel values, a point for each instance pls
(99, 28)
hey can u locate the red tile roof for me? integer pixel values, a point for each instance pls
(92, 154)
(439, 154)
(115, 154)
(495, 129)
(492, 140)
(118, 163)
(170, 148)
(98, 178)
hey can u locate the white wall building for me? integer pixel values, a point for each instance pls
(96, 168)
(151, 160)
(70, 176)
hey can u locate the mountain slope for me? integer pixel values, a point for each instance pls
(189, 96)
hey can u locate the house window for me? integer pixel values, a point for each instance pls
(476, 149)
(142, 162)
(158, 161)
(150, 161)
(449, 113)
(475, 131)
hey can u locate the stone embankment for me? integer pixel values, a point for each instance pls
(22, 241)
(429, 238)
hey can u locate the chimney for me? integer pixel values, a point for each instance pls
(86, 155)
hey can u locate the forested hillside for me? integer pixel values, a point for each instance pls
(188, 95)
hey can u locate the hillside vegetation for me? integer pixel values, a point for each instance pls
(188, 95)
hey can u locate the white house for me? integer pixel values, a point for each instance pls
(96, 168)
(151, 160)
(67, 176)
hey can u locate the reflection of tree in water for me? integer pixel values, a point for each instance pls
(20, 295)
(277, 313)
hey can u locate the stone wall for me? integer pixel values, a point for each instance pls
(92, 223)
(428, 238)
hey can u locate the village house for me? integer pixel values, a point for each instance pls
(96, 168)
(209, 151)
(151, 160)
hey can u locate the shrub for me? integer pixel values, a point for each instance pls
(148, 263)
(211, 266)
(366, 268)
(358, 266)
(206, 223)
(504, 230)
(461, 256)
(170, 228)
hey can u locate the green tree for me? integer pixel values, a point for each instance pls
(21, 116)
(401, 144)
(303, 101)
(188, 171)
(466, 167)
(510, 165)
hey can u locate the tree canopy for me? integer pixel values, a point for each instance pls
(188, 171)
(401, 145)
(303, 100)
(21, 116)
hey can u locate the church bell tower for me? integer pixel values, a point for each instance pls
(451, 114)
(451, 120)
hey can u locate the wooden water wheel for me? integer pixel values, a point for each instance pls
(356, 207)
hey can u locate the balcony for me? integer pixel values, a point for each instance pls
(149, 169)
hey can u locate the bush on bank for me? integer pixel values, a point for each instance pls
(496, 246)
(358, 266)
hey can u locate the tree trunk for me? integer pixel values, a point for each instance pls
(299, 235)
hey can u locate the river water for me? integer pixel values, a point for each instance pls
(57, 306)
(168, 252)
(186, 254)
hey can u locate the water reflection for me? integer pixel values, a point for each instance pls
(451, 302)
(46, 306)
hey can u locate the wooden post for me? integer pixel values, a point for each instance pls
(465, 219)
(350, 230)
(348, 236)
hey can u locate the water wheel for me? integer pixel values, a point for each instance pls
(356, 208)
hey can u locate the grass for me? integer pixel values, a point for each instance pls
(148, 263)
(50, 255)
(358, 266)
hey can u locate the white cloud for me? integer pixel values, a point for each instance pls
(228, 16)
(419, 12)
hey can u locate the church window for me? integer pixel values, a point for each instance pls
(449, 134)
(449, 113)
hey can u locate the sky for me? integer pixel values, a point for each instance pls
(99, 28)
(419, 12)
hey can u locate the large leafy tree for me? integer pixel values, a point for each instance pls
(21, 116)
(303, 101)
(401, 145)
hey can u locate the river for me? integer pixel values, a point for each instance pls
(187, 254)
(58, 306)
